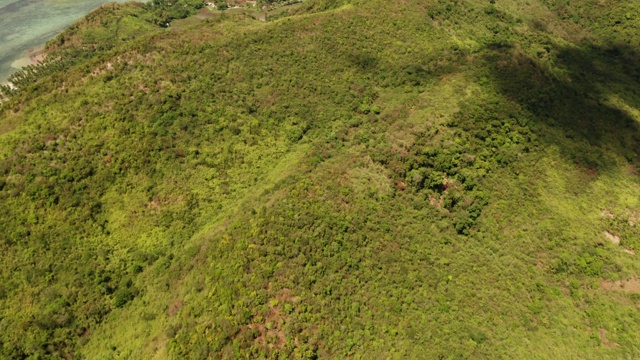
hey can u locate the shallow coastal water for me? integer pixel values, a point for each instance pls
(25, 25)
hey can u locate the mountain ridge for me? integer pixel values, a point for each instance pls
(427, 179)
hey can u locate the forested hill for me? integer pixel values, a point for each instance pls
(420, 179)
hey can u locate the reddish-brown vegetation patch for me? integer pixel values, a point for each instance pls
(175, 307)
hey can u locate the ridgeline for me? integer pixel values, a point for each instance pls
(422, 179)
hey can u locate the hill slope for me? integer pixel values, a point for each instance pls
(423, 179)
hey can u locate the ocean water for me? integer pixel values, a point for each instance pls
(26, 25)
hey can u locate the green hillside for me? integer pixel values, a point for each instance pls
(422, 179)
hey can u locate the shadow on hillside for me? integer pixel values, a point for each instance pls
(590, 99)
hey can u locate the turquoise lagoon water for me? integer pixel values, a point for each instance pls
(25, 25)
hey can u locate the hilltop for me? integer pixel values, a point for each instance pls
(419, 179)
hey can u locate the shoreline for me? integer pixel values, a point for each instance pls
(29, 48)
(31, 56)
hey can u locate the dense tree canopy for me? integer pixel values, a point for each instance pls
(420, 179)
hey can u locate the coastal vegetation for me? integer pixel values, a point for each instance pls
(437, 179)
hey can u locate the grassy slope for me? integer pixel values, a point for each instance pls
(416, 180)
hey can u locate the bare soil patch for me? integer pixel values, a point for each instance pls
(602, 334)
(271, 333)
(607, 213)
(630, 285)
(613, 238)
(175, 307)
